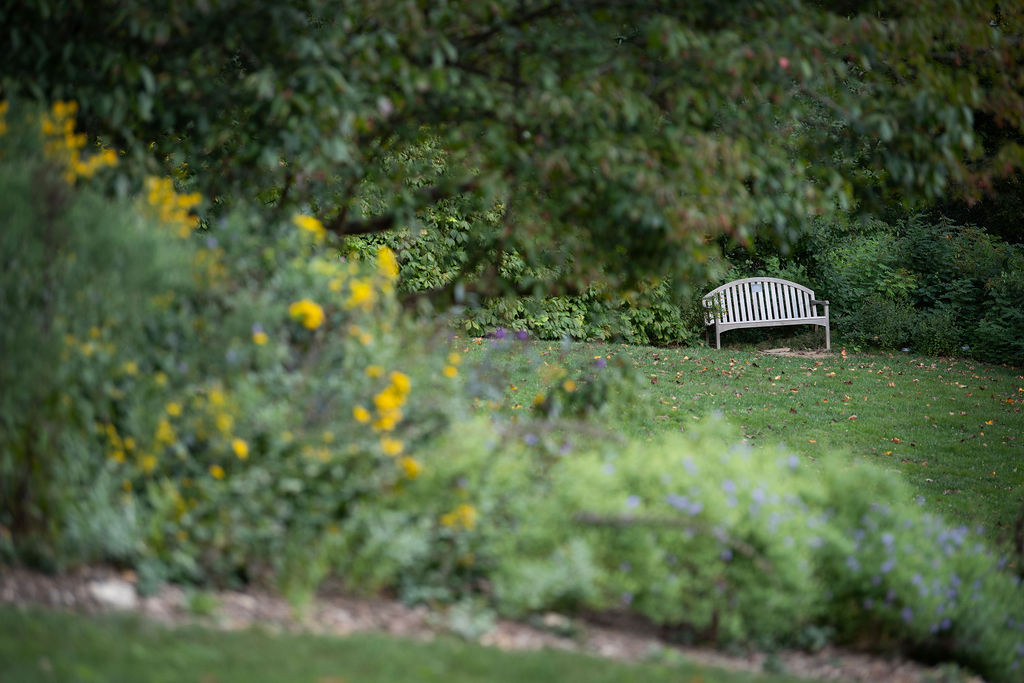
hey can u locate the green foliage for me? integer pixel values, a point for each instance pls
(717, 541)
(615, 136)
(210, 406)
(999, 332)
(930, 286)
(436, 260)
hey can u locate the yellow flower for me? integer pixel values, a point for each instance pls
(450, 371)
(387, 264)
(391, 446)
(131, 368)
(311, 225)
(170, 207)
(217, 471)
(225, 422)
(307, 312)
(410, 466)
(387, 422)
(328, 436)
(454, 358)
(360, 294)
(148, 463)
(361, 414)
(569, 385)
(117, 456)
(240, 447)
(335, 284)
(464, 515)
(400, 381)
(129, 443)
(160, 378)
(388, 400)
(173, 409)
(217, 397)
(374, 371)
(259, 338)
(164, 432)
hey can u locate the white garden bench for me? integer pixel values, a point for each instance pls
(762, 302)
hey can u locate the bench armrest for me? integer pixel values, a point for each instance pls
(823, 302)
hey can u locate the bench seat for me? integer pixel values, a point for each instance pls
(762, 302)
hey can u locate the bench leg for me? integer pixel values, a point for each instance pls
(828, 341)
(718, 338)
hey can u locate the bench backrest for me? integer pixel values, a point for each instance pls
(755, 299)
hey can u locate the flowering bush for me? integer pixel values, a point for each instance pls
(710, 539)
(206, 405)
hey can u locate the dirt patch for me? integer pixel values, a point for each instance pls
(100, 590)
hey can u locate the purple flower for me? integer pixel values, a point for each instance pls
(887, 566)
(625, 567)
(677, 501)
(729, 486)
(696, 507)
(500, 333)
(600, 363)
(627, 598)
(531, 439)
(868, 603)
(887, 539)
(852, 563)
(522, 335)
(608, 468)
(907, 614)
(632, 502)
(726, 555)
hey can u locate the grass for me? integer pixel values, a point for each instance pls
(953, 429)
(56, 646)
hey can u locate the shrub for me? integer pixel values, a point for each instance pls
(930, 285)
(432, 258)
(207, 405)
(714, 541)
(999, 335)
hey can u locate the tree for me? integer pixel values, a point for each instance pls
(620, 137)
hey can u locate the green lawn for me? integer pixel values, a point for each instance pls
(55, 646)
(952, 428)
